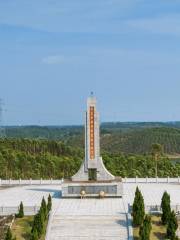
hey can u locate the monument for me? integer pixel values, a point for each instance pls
(93, 178)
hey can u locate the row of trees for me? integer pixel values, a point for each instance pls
(143, 221)
(168, 217)
(20, 214)
(39, 222)
(139, 217)
(40, 219)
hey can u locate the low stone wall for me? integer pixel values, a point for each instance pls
(151, 180)
(92, 189)
(9, 210)
(10, 182)
(157, 208)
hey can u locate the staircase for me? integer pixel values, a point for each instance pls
(89, 219)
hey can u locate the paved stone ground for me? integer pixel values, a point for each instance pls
(90, 219)
(152, 192)
(29, 195)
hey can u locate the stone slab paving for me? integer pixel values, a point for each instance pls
(152, 192)
(30, 195)
(88, 218)
(93, 219)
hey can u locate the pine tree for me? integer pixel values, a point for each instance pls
(40, 223)
(49, 204)
(43, 209)
(138, 208)
(21, 211)
(172, 226)
(145, 229)
(8, 234)
(34, 235)
(166, 208)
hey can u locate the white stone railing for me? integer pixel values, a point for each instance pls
(157, 208)
(10, 182)
(151, 180)
(10, 210)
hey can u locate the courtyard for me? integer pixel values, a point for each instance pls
(87, 218)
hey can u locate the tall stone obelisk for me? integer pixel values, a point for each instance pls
(92, 167)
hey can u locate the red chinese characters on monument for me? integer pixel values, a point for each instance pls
(92, 150)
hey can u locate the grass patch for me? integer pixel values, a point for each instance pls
(22, 228)
(158, 231)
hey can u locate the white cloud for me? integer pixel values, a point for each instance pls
(169, 24)
(56, 59)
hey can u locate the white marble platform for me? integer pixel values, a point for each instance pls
(90, 219)
(152, 192)
(30, 195)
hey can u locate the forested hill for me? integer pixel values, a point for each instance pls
(29, 158)
(135, 138)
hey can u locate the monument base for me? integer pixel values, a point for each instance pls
(90, 189)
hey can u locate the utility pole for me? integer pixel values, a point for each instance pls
(2, 128)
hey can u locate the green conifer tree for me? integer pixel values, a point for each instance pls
(34, 235)
(172, 226)
(40, 223)
(21, 211)
(145, 229)
(8, 234)
(166, 208)
(43, 209)
(49, 204)
(138, 208)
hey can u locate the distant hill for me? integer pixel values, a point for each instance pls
(127, 137)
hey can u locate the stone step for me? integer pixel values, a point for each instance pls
(89, 227)
(89, 238)
(89, 219)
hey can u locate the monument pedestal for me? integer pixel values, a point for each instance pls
(91, 189)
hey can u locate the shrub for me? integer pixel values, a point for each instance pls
(138, 208)
(145, 229)
(172, 226)
(166, 208)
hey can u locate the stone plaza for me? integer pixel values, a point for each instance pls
(100, 219)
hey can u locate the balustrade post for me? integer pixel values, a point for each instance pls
(156, 179)
(136, 179)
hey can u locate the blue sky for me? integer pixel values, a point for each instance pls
(53, 53)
